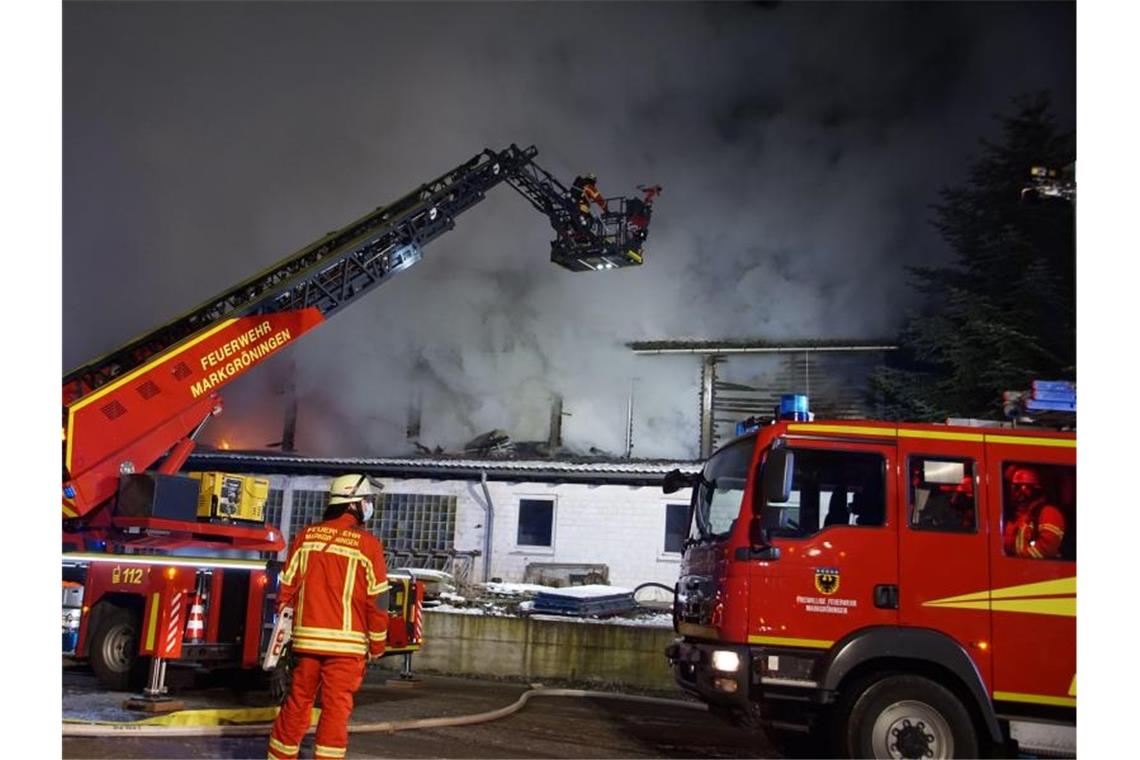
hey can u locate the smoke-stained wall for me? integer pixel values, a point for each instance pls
(621, 527)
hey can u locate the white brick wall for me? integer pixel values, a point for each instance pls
(620, 526)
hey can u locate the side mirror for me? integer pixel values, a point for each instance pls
(778, 471)
(675, 480)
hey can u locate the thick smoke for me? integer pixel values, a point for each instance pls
(799, 146)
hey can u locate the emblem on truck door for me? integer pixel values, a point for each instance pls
(827, 580)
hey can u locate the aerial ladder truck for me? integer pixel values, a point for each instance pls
(160, 583)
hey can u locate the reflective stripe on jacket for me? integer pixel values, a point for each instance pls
(333, 575)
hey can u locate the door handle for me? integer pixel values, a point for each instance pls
(887, 596)
(745, 553)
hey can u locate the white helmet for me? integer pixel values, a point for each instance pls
(347, 489)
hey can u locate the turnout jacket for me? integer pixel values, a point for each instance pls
(334, 578)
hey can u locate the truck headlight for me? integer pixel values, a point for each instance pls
(725, 661)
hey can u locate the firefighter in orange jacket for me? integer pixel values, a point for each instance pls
(585, 191)
(336, 581)
(1037, 527)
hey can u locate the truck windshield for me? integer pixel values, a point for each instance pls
(721, 490)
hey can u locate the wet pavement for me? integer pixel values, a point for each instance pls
(546, 727)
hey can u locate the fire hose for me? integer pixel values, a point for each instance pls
(166, 727)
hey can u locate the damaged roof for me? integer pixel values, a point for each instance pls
(581, 470)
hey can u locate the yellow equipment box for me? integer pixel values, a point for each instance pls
(222, 496)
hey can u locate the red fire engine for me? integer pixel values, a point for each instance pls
(882, 589)
(164, 582)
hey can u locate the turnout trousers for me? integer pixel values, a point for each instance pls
(338, 678)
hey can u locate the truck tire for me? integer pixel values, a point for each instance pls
(114, 649)
(908, 716)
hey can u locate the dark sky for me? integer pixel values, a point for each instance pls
(799, 146)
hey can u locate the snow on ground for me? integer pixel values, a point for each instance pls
(656, 620)
(578, 592)
(588, 592)
(452, 610)
(653, 620)
(515, 589)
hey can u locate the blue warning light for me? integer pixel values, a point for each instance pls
(748, 425)
(794, 406)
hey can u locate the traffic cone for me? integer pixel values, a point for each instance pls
(196, 624)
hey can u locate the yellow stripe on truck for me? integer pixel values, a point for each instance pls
(943, 435)
(153, 621)
(1035, 699)
(1056, 597)
(782, 641)
(1063, 443)
(843, 429)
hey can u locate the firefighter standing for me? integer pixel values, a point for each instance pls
(1037, 527)
(336, 581)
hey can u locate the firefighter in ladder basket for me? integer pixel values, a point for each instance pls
(336, 582)
(585, 191)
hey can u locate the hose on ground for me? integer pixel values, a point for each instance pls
(95, 730)
(653, 583)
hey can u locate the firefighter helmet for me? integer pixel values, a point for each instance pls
(348, 489)
(1025, 486)
(1026, 476)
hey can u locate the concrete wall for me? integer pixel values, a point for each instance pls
(481, 645)
(620, 526)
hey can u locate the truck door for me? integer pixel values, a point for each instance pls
(1033, 496)
(838, 545)
(943, 541)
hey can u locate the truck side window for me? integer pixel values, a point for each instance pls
(829, 488)
(942, 495)
(1039, 511)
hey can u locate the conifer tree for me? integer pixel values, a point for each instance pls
(1003, 313)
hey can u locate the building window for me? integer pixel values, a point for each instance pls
(418, 529)
(536, 522)
(942, 495)
(273, 505)
(1039, 511)
(676, 527)
(308, 508)
(829, 488)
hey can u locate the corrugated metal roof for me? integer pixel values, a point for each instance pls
(630, 472)
(758, 345)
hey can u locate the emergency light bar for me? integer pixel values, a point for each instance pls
(793, 406)
(133, 559)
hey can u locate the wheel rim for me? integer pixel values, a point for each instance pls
(119, 648)
(912, 729)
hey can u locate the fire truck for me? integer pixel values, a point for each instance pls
(169, 577)
(876, 589)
